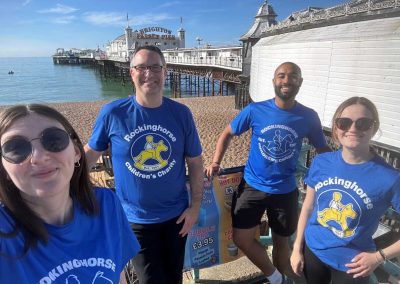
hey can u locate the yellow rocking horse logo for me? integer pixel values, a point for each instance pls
(151, 151)
(338, 212)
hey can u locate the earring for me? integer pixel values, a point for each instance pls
(77, 164)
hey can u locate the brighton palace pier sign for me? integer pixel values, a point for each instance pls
(146, 33)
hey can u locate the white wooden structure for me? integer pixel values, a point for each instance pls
(229, 57)
(338, 62)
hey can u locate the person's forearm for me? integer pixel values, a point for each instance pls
(222, 145)
(196, 179)
(91, 156)
(305, 213)
(390, 251)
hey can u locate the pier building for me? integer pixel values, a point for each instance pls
(124, 45)
(77, 56)
(229, 57)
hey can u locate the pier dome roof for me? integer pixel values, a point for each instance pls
(266, 10)
(266, 17)
(121, 37)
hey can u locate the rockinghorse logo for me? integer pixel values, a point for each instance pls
(150, 151)
(280, 144)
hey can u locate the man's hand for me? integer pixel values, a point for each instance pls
(189, 216)
(213, 169)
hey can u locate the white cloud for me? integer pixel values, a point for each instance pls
(105, 19)
(169, 4)
(26, 2)
(150, 19)
(119, 19)
(59, 9)
(63, 19)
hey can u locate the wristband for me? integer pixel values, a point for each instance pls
(383, 255)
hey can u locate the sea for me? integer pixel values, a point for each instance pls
(38, 80)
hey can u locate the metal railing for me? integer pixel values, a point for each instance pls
(234, 63)
(351, 8)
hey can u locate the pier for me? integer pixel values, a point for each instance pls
(199, 72)
(208, 70)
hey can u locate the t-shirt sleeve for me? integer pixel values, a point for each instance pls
(316, 135)
(99, 140)
(130, 245)
(192, 140)
(242, 122)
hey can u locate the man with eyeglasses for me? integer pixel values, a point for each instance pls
(278, 127)
(151, 138)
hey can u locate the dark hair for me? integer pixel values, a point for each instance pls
(355, 101)
(26, 220)
(150, 48)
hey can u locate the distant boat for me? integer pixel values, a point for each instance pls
(10, 72)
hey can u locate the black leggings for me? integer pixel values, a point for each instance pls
(317, 272)
(160, 260)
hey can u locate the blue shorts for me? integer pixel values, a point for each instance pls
(249, 204)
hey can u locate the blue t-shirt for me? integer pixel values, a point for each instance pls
(349, 200)
(276, 141)
(89, 249)
(149, 146)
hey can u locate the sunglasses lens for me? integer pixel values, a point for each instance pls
(16, 150)
(343, 123)
(55, 140)
(364, 123)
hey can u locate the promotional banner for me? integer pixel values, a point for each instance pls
(210, 240)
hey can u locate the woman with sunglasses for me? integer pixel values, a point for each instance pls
(347, 193)
(54, 227)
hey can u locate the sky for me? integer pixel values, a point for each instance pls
(30, 28)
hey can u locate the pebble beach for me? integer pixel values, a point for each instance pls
(211, 115)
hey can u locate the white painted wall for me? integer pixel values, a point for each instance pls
(338, 62)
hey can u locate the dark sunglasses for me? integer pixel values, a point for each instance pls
(362, 124)
(19, 148)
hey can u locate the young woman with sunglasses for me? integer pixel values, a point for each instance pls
(347, 193)
(54, 226)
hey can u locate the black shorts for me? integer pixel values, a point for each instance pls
(249, 204)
